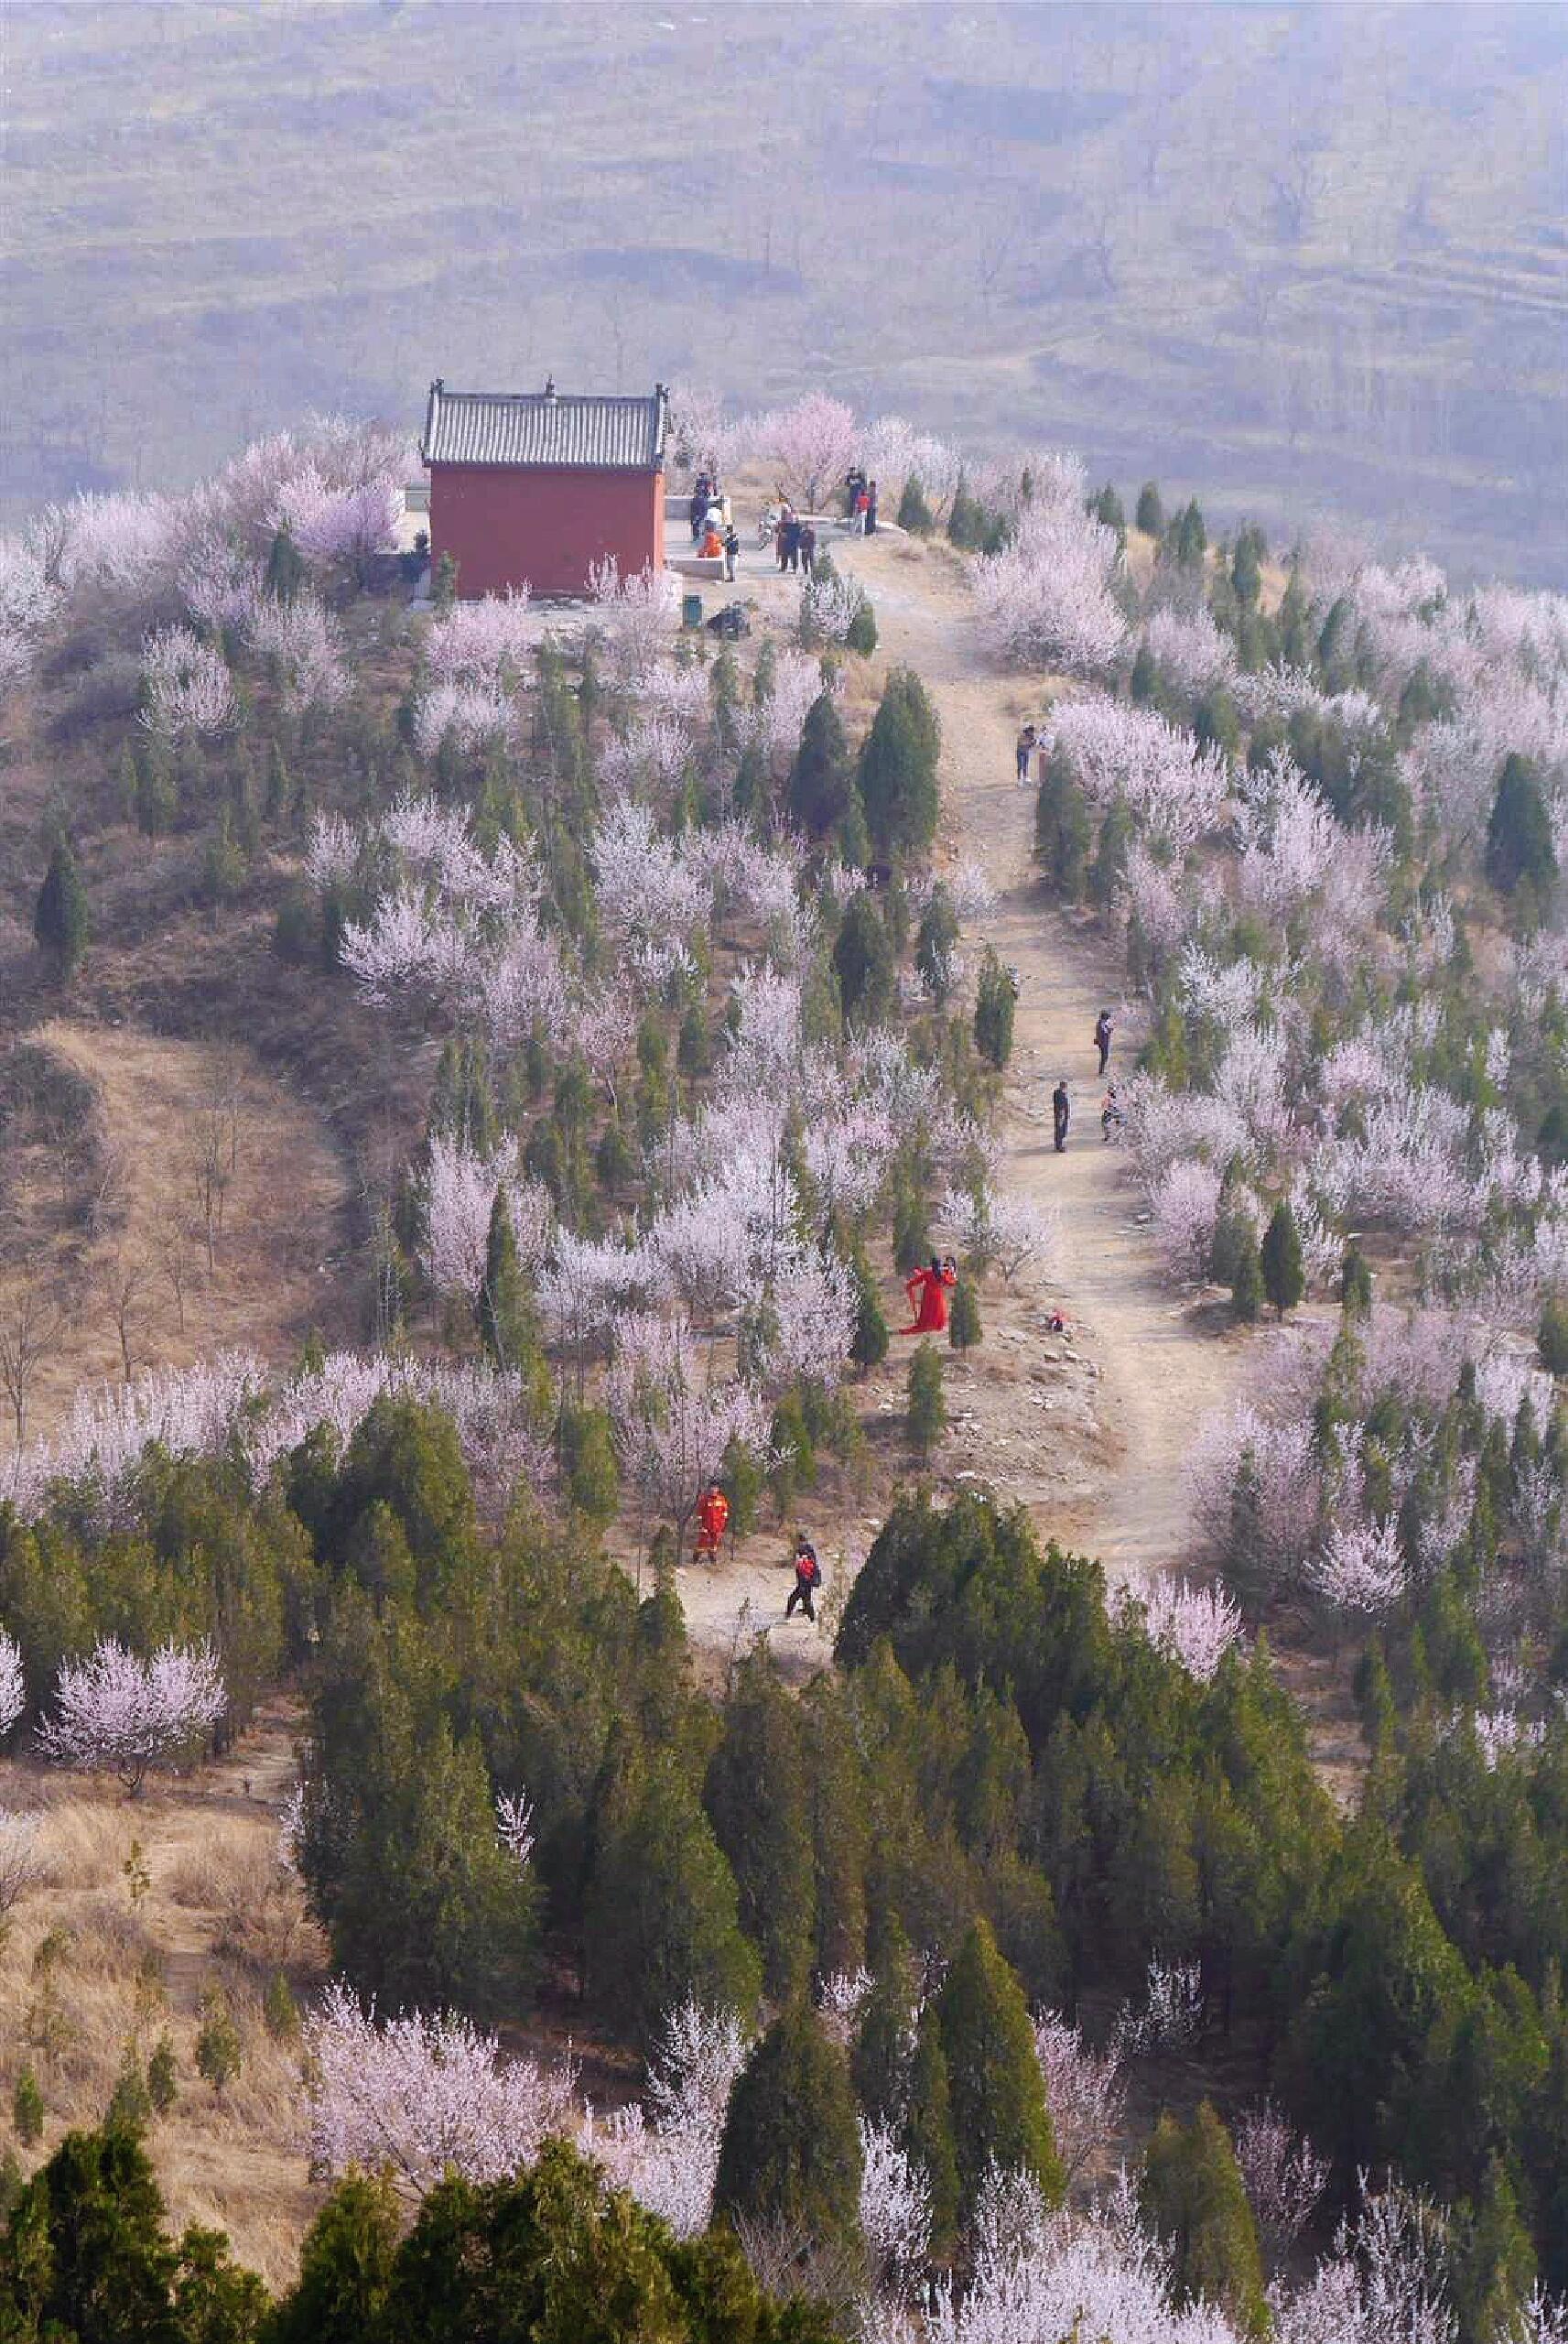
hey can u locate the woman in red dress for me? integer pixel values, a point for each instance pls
(927, 1291)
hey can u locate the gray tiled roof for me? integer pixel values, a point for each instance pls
(544, 427)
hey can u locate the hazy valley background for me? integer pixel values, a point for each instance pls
(1299, 260)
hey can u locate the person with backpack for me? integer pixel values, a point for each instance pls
(807, 1579)
(712, 1520)
(1103, 1032)
(1061, 1114)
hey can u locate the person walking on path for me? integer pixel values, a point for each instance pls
(732, 547)
(786, 521)
(1104, 1028)
(928, 1291)
(807, 1579)
(712, 1519)
(871, 510)
(1027, 741)
(807, 549)
(1061, 1113)
(791, 543)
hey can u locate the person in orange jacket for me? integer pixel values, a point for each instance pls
(927, 1291)
(712, 1519)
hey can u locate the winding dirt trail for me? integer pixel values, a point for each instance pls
(1161, 1371)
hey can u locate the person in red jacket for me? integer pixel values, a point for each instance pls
(927, 1291)
(712, 1518)
(807, 1579)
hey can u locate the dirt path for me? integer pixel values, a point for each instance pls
(1160, 1372)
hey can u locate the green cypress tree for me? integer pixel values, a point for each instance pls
(1063, 831)
(999, 2116)
(1192, 2194)
(898, 768)
(663, 1917)
(757, 1800)
(86, 2250)
(163, 2084)
(913, 513)
(345, 2267)
(883, 2054)
(935, 944)
(590, 1471)
(790, 2156)
(995, 999)
(926, 1413)
(1143, 683)
(964, 1328)
(1109, 866)
(1151, 515)
(1284, 1279)
(864, 963)
(285, 566)
(821, 780)
(927, 2135)
(870, 1346)
(1519, 852)
(130, 2103)
(60, 920)
(27, 2108)
(1246, 1280)
(861, 634)
(1355, 1283)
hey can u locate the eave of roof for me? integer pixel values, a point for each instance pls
(546, 431)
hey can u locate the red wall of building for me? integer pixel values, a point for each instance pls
(503, 526)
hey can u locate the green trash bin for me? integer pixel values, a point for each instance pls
(691, 611)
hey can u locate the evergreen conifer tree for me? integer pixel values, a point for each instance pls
(898, 768)
(345, 2267)
(1355, 1283)
(285, 566)
(869, 1346)
(1192, 2194)
(1247, 1279)
(913, 513)
(927, 1414)
(821, 780)
(1284, 1279)
(927, 2135)
(757, 1802)
(964, 1327)
(791, 2152)
(1150, 514)
(1063, 830)
(999, 2116)
(663, 1909)
(995, 999)
(1519, 852)
(60, 921)
(864, 964)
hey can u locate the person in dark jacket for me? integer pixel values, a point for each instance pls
(807, 549)
(807, 1579)
(791, 542)
(871, 509)
(1103, 1032)
(732, 547)
(1061, 1113)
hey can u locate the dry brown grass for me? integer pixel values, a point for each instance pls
(161, 1107)
(127, 1956)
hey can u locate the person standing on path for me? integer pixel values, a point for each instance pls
(732, 547)
(1104, 1028)
(807, 1579)
(871, 510)
(928, 1291)
(1061, 1113)
(808, 549)
(1025, 750)
(712, 1519)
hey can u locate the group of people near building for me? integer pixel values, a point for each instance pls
(795, 540)
(713, 531)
